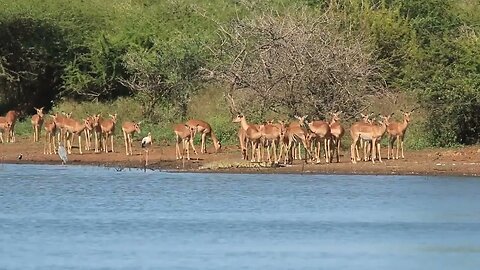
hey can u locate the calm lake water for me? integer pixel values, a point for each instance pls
(72, 217)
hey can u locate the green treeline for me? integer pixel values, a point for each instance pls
(263, 58)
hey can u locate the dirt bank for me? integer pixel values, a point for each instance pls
(458, 161)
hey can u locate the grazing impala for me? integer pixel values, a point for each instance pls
(289, 137)
(396, 132)
(129, 129)
(12, 116)
(337, 133)
(368, 132)
(37, 122)
(206, 130)
(184, 134)
(253, 135)
(50, 132)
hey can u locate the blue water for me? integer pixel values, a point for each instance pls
(67, 217)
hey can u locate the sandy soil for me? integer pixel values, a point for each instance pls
(458, 161)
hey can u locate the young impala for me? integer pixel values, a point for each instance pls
(396, 132)
(205, 129)
(184, 135)
(5, 127)
(12, 116)
(37, 122)
(337, 133)
(50, 132)
(129, 129)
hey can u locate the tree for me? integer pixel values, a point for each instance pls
(296, 63)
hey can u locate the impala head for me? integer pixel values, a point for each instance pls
(113, 117)
(385, 119)
(67, 115)
(301, 119)
(238, 119)
(336, 116)
(365, 117)
(406, 115)
(39, 111)
(88, 123)
(136, 126)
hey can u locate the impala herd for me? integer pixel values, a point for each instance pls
(278, 141)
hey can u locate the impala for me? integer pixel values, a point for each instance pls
(364, 144)
(37, 122)
(205, 129)
(184, 134)
(253, 135)
(242, 138)
(368, 132)
(106, 127)
(272, 135)
(50, 132)
(129, 129)
(59, 123)
(294, 134)
(323, 133)
(300, 122)
(12, 116)
(396, 132)
(5, 127)
(337, 133)
(73, 128)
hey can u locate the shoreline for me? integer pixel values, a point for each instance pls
(463, 161)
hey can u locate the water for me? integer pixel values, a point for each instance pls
(67, 217)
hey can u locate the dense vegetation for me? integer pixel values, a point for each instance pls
(164, 61)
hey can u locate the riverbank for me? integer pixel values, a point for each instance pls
(463, 161)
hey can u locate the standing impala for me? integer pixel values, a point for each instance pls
(37, 122)
(73, 128)
(184, 134)
(337, 133)
(300, 122)
(129, 129)
(322, 132)
(205, 129)
(253, 135)
(5, 127)
(50, 132)
(396, 131)
(368, 132)
(12, 116)
(106, 127)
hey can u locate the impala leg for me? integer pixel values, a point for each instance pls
(125, 140)
(401, 144)
(80, 143)
(111, 139)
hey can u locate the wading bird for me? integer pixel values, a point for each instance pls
(146, 143)
(62, 153)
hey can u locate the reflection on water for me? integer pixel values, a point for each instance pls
(72, 217)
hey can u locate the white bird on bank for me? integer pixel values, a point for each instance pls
(146, 143)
